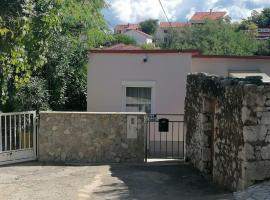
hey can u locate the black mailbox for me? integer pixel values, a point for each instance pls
(163, 125)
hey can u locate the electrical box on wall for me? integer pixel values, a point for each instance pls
(132, 127)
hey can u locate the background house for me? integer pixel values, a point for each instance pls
(122, 28)
(139, 36)
(163, 31)
(263, 33)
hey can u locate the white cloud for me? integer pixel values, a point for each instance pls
(123, 11)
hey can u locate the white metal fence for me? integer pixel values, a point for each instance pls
(17, 137)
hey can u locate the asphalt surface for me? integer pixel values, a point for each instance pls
(153, 181)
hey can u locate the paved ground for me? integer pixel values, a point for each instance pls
(256, 192)
(151, 182)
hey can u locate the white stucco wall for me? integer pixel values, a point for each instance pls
(221, 66)
(106, 72)
(139, 38)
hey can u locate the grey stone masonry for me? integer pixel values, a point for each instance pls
(91, 137)
(228, 129)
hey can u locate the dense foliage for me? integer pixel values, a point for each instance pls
(214, 37)
(149, 26)
(261, 19)
(43, 52)
(121, 38)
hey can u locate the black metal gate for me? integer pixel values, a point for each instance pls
(165, 136)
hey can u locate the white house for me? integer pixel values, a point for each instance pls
(164, 30)
(139, 36)
(158, 77)
(154, 81)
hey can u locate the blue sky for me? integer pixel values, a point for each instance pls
(132, 11)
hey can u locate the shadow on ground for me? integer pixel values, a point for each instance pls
(159, 181)
(154, 181)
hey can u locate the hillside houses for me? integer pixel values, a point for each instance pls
(164, 28)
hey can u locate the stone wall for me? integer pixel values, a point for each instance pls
(227, 129)
(91, 137)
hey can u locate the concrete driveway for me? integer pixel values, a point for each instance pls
(151, 182)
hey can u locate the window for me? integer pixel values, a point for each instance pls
(138, 99)
(138, 96)
(165, 31)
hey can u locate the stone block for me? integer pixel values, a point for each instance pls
(267, 94)
(260, 100)
(254, 133)
(207, 105)
(206, 154)
(207, 126)
(256, 171)
(205, 141)
(265, 118)
(260, 109)
(267, 103)
(267, 138)
(204, 118)
(250, 99)
(248, 88)
(249, 152)
(247, 116)
(265, 152)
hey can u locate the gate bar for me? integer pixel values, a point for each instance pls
(34, 133)
(29, 131)
(172, 139)
(5, 133)
(10, 134)
(1, 146)
(15, 131)
(24, 138)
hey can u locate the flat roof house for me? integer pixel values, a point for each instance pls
(154, 81)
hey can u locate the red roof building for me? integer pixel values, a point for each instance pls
(172, 24)
(200, 17)
(122, 28)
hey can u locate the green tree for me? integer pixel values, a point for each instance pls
(46, 42)
(262, 19)
(149, 26)
(263, 48)
(66, 69)
(214, 38)
(121, 38)
(149, 46)
(21, 53)
(247, 25)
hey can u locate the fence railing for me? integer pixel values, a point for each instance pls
(167, 143)
(17, 131)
